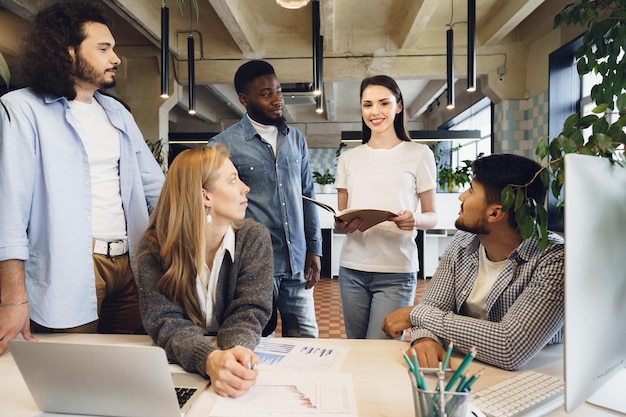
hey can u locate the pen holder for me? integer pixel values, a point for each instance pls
(429, 404)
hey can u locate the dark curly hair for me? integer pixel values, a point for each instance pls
(45, 63)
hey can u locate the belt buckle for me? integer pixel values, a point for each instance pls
(110, 245)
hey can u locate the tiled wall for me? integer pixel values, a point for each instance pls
(519, 125)
(320, 159)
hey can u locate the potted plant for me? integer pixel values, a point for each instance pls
(454, 179)
(599, 52)
(325, 180)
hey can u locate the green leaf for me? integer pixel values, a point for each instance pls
(621, 102)
(600, 109)
(571, 121)
(586, 121)
(543, 149)
(519, 199)
(507, 196)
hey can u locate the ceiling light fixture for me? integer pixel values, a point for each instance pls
(450, 66)
(319, 104)
(165, 47)
(315, 39)
(471, 45)
(192, 74)
(191, 65)
(292, 4)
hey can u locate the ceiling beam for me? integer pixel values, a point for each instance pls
(494, 28)
(238, 24)
(327, 25)
(339, 69)
(432, 90)
(416, 22)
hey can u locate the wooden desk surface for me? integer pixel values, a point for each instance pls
(381, 383)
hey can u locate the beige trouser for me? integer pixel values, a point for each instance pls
(118, 305)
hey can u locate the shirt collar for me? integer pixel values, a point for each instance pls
(283, 128)
(228, 244)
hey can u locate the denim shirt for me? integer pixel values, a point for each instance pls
(45, 184)
(276, 185)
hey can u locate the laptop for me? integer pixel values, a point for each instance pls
(104, 380)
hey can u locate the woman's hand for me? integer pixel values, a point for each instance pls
(347, 227)
(405, 220)
(232, 371)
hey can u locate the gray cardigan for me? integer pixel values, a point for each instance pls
(243, 303)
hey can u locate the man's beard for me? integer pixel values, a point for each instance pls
(477, 229)
(259, 116)
(86, 72)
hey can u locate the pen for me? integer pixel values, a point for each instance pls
(419, 376)
(447, 358)
(468, 384)
(408, 361)
(459, 371)
(462, 380)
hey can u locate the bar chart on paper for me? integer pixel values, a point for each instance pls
(278, 355)
(289, 393)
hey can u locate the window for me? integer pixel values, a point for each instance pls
(476, 117)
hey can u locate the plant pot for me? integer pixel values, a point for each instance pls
(328, 188)
(317, 188)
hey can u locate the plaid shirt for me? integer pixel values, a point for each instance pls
(524, 306)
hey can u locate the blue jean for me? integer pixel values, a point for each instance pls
(295, 299)
(367, 297)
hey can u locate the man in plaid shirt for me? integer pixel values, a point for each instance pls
(491, 290)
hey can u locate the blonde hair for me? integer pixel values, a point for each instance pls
(177, 224)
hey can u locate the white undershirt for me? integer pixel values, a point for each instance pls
(488, 271)
(102, 145)
(267, 132)
(206, 284)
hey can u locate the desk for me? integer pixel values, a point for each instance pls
(381, 383)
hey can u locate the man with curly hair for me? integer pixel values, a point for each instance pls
(77, 180)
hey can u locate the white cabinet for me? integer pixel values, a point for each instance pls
(436, 239)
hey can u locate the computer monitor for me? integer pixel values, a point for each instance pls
(595, 283)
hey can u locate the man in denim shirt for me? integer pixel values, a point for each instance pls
(272, 159)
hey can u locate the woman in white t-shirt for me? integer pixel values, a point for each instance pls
(378, 267)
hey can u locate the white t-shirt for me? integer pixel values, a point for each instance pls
(267, 132)
(101, 141)
(488, 271)
(386, 179)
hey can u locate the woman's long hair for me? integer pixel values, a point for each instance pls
(399, 123)
(177, 224)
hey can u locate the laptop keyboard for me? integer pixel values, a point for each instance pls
(183, 394)
(528, 394)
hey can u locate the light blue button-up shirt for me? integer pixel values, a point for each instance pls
(45, 185)
(276, 186)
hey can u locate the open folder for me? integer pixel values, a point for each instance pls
(370, 217)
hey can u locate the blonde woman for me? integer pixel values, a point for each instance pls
(205, 271)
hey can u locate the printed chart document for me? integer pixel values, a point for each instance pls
(292, 393)
(370, 217)
(276, 354)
